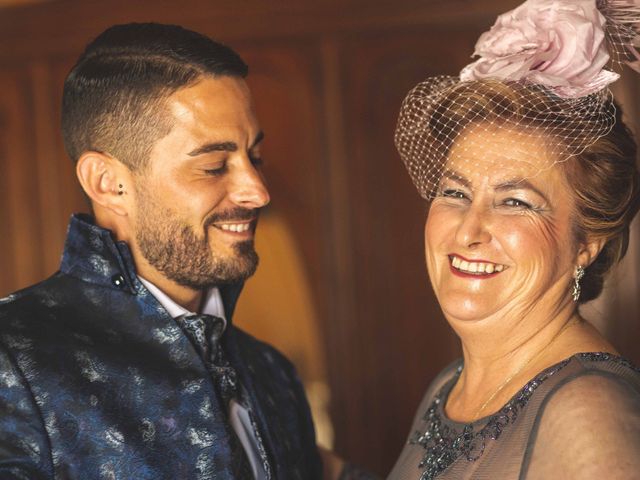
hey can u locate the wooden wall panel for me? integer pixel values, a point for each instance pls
(39, 190)
(60, 26)
(22, 214)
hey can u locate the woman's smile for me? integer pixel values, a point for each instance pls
(479, 269)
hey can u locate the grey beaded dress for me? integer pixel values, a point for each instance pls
(582, 414)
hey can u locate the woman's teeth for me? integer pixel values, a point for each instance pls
(477, 268)
(235, 227)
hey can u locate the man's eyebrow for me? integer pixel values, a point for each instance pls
(223, 146)
(457, 177)
(517, 184)
(214, 147)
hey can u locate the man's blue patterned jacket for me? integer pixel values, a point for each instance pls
(97, 381)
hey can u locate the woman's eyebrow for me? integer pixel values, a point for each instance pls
(519, 184)
(457, 177)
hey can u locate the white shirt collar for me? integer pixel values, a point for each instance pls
(212, 304)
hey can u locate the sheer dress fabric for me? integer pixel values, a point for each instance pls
(577, 419)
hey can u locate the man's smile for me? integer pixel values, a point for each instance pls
(236, 227)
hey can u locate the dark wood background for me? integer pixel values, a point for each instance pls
(328, 77)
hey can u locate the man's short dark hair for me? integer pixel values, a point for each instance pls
(113, 97)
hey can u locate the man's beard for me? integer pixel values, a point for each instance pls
(174, 249)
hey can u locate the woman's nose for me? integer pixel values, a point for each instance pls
(474, 227)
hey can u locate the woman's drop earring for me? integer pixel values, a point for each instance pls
(575, 293)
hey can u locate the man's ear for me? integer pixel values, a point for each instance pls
(105, 180)
(589, 251)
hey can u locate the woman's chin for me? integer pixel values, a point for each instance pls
(468, 308)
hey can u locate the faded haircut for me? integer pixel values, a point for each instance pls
(113, 98)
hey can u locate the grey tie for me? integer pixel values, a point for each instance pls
(205, 332)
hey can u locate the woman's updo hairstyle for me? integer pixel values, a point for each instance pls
(605, 182)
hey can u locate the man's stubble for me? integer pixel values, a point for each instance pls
(174, 249)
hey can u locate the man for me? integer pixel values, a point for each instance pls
(125, 363)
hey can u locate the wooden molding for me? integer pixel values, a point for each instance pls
(56, 27)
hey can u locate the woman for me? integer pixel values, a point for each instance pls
(533, 184)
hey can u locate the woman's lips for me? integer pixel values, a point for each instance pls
(474, 268)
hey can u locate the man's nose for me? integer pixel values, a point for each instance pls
(247, 188)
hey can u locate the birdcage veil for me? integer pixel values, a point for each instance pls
(543, 72)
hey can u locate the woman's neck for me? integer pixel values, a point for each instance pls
(504, 352)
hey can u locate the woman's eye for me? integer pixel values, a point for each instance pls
(453, 193)
(514, 202)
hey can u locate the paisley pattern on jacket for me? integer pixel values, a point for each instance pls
(97, 381)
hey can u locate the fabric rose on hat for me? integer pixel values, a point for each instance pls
(559, 44)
